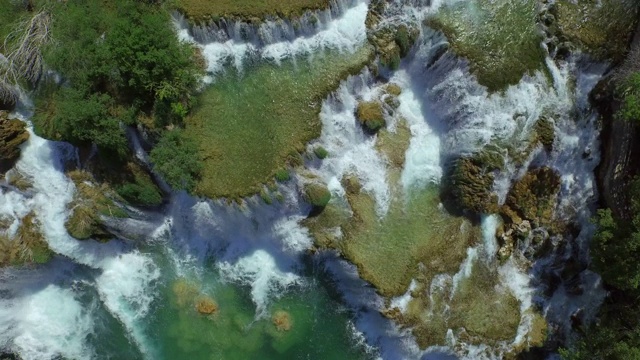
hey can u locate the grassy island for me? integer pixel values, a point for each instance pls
(250, 126)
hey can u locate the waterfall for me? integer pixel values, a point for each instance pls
(261, 250)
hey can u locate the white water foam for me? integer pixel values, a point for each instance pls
(123, 285)
(345, 33)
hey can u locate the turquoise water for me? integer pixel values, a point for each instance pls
(318, 325)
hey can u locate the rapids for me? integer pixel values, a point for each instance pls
(136, 299)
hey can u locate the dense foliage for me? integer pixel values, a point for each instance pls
(631, 98)
(120, 64)
(176, 158)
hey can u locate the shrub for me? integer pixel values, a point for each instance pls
(176, 158)
(630, 109)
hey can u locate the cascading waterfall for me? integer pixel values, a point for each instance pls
(254, 254)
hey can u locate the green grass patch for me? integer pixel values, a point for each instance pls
(602, 27)
(248, 126)
(499, 38)
(206, 10)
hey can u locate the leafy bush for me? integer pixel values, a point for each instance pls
(630, 109)
(176, 158)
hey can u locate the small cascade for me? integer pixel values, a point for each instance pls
(345, 31)
(267, 31)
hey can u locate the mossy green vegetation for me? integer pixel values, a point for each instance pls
(499, 38)
(175, 157)
(320, 152)
(545, 132)
(248, 126)
(602, 28)
(630, 91)
(90, 202)
(388, 250)
(252, 10)
(121, 65)
(26, 246)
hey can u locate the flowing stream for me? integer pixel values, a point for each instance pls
(130, 299)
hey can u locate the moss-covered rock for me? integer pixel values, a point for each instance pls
(317, 195)
(545, 132)
(371, 115)
(392, 43)
(27, 246)
(321, 152)
(90, 203)
(12, 134)
(533, 198)
(468, 184)
(601, 28)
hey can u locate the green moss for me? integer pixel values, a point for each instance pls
(317, 194)
(602, 28)
(321, 152)
(247, 126)
(208, 10)
(371, 115)
(499, 38)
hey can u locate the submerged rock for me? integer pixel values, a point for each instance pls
(206, 305)
(282, 320)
